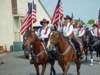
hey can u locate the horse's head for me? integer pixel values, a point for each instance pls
(30, 38)
(86, 36)
(54, 37)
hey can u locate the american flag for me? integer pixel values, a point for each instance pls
(58, 14)
(29, 19)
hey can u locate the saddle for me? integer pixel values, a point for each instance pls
(75, 45)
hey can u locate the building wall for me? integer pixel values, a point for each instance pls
(6, 23)
(40, 12)
(22, 7)
(10, 23)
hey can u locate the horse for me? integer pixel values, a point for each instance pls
(85, 42)
(96, 46)
(65, 52)
(38, 53)
(24, 47)
(93, 44)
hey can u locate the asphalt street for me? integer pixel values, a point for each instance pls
(16, 64)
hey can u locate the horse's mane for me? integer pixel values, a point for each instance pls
(63, 37)
(63, 42)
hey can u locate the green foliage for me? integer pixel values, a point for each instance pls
(81, 21)
(91, 22)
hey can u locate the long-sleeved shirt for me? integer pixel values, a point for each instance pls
(67, 30)
(80, 32)
(44, 32)
(95, 32)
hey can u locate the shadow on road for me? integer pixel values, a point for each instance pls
(32, 74)
(67, 74)
(21, 57)
(56, 74)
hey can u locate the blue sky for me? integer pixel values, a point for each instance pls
(84, 9)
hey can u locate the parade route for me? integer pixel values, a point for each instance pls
(16, 64)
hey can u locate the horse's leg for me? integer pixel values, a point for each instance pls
(78, 64)
(65, 67)
(37, 69)
(98, 54)
(86, 55)
(91, 55)
(43, 69)
(78, 68)
(52, 68)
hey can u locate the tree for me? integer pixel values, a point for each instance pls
(81, 21)
(91, 22)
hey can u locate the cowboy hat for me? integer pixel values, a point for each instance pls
(44, 21)
(94, 25)
(67, 17)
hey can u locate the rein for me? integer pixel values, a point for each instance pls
(66, 50)
(40, 53)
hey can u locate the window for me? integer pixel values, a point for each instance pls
(14, 7)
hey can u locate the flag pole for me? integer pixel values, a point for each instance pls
(31, 14)
(99, 17)
(72, 15)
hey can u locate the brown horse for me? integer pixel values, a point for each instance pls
(39, 54)
(65, 52)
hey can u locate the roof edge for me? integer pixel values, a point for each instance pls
(44, 8)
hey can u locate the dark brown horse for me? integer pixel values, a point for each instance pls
(39, 54)
(65, 52)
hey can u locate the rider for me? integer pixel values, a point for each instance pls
(96, 30)
(67, 30)
(80, 31)
(44, 32)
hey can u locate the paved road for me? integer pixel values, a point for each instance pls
(15, 64)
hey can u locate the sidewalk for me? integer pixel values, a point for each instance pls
(2, 53)
(3, 49)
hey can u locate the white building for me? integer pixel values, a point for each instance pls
(11, 14)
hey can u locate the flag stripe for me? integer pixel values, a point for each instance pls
(58, 14)
(30, 18)
(27, 26)
(26, 29)
(25, 22)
